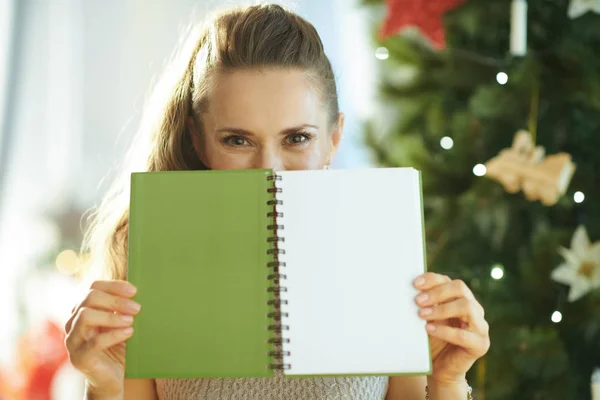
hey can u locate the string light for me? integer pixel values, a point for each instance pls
(502, 78)
(67, 262)
(497, 272)
(556, 317)
(479, 170)
(382, 53)
(578, 197)
(447, 143)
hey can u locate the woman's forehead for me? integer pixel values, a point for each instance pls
(270, 99)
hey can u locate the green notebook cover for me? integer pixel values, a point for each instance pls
(204, 304)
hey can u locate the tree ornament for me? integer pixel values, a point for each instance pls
(525, 167)
(425, 14)
(581, 269)
(577, 8)
(518, 28)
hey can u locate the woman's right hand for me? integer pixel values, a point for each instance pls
(96, 334)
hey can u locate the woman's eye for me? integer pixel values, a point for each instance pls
(299, 138)
(235, 141)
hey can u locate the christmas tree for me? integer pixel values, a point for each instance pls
(453, 97)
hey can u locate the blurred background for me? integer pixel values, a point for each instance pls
(496, 102)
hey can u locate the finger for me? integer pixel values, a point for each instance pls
(84, 356)
(459, 308)
(104, 301)
(109, 302)
(87, 323)
(114, 287)
(117, 288)
(445, 292)
(429, 280)
(467, 310)
(473, 343)
(108, 339)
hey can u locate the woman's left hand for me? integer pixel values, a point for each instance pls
(456, 324)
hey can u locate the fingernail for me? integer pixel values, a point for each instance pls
(430, 327)
(426, 311)
(132, 306)
(127, 331)
(130, 289)
(419, 282)
(127, 318)
(422, 298)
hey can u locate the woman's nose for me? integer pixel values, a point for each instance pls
(268, 159)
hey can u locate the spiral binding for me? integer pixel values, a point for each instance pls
(276, 278)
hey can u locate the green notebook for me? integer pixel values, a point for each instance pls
(242, 272)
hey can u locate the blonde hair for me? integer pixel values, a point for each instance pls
(260, 36)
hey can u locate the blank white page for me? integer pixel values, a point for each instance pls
(354, 244)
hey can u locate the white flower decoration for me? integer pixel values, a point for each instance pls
(579, 7)
(581, 270)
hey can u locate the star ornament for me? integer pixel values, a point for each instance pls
(577, 8)
(425, 14)
(581, 269)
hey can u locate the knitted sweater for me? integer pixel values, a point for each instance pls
(275, 388)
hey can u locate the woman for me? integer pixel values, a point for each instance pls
(252, 90)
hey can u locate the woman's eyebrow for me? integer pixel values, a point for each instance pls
(287, 131)
(237, 131)
(297, 128)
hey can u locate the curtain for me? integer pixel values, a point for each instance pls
(7, 61)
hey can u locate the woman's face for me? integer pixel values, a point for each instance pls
(269, 118)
